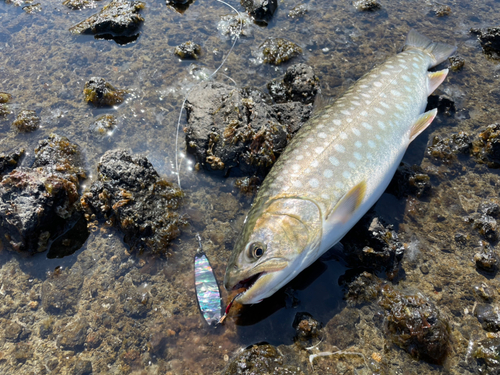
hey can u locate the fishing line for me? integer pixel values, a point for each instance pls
(236, 36)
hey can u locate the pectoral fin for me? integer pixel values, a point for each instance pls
(346, 207)
(435, 79)
(422, 123)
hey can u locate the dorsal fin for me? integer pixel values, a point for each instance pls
(422, 123)
(347, 205)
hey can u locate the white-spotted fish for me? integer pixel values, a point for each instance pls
(334, 170)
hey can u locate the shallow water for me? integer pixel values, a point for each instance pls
(44, 67)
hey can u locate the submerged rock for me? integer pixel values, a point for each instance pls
(489, 40)
(447, 150)
(188, 50)
(487, 260)
(276, 51)
(119, 20)
(367, 5)
(260, 359)
(27, 121)
(103, 126)
(130, 195)
(5, 97)
(409, 180)
(486, 149)
(299, 84)
(307, 329)
(260, 10)
(60, 294)
(9, 161)
(298, 11)
(486, 354)
(4, 110)
(34, 8)
(38, 204)
(488, 316)
(72, 336)
(101, 93)
(239, 129)
(442, 11)
(457, 63)
(80, 4)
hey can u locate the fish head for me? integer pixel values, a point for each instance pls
(272, 249)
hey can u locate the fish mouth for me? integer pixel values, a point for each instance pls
(246, 284)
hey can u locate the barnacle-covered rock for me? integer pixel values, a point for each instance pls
(489, 40)
(307, 329)
(131, 195)
(34, 8)
(119, 20)
(27, 121)
(80, 4)
(101, 93)
(447, 149)
(262, 11)
(367, 5)
(486, 354)
(39, 204)
(298, 11)
(103, 126)
(188, 50)
(487, 259)
(488, 316)
(409, 180)
(5, 97)
(486, 149)
(8, 161)
(299, 84)
(457, 63)
(276, 51)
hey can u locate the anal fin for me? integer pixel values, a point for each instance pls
(422, 123)
(435, 79)
(348, 204)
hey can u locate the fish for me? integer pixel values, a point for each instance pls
(334, 169)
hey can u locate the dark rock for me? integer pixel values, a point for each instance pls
(46, 328)
(72, 337)
(60, 294)
(298, 11)
(119, 20)
(447, 149)
(100, 93)
(444, 103)
(409, 180)
(9, 161)
(276, 51)
(240, 129)
(5, 97)
(260, 359)
(486, 354)
(299, 84)
(82, 367)
(486, 225)
(489, 40)
(307, 329)
(483, 292)
(188, 50)
(490, 208)
(27, 121)
(180, 6)
(457, 63)
(487, 260)
(460, 238)
(262, 11)
(442, 11)
(488, 316)
(486, 148)
(39, 204)
(130, 194)
(34, 8)
(367, 5)
(375, 246)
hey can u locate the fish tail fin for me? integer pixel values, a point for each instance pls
(438, 51)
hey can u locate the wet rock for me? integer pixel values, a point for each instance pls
(180, 6)
(486, 225)
(442, 11)
(262, 11)
(457, 63)
(299, 84)
(260, 359)
(103, 127)
(12, 331)
(488, 316)
(82, 367)
(367, 5)
(72, 336)
(27, 121)
(233, 26)
(409, 180)
(298, 11)
(487, 260)
(101, 93)
(60, 295)
(135, 304)
(374, 245)
(4, 110)
(22, 352)
(276, 51)
(39, 204)
(130, 195)
(188, 50)
(490, 208)
(447, 149)
(307, 329)
(35, 8)
(80, 4)
(483, 292)
(8, 161)
(5, 97)
(119, 20)
(489, 40)
(486, 148)
(444, 103)
(46, 328)
(486, 354)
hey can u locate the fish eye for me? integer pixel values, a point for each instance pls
(257, 250)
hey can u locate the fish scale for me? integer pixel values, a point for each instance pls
(334, 170)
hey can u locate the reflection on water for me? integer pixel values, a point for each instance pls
(91, 310)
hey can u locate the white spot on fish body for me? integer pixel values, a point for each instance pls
(403, 66)
(386, 73)
(377, 84)
(339, 184)
(390, 66)
(363, 86)
(355, 102)
(333, 160)
(416, 59)
(357, 155)
(325, 116)
(322, 135)
(398, 106)
(319, 150)
(358, 144)
(406, 78)
(369, 156)
(320, 126)
(328, 173)
(415, 65)
(366, 125)
(368, 102)
(313, 182)
(348, 119)
(365, 95)
(408, 88)
(351, 165)
(377, 136)
(299, 157)
(384, 104)
(296, 167)
(344, 112)
(346, 174)
(364, 113)
(371, 143)
(395, 93)
(297, 183)
(379, 111)
(339, 148)
(337, 122)
(381, 124)
(356, 131)
(314, 163)
(343, 135)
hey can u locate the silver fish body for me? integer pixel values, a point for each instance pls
(334, 170)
